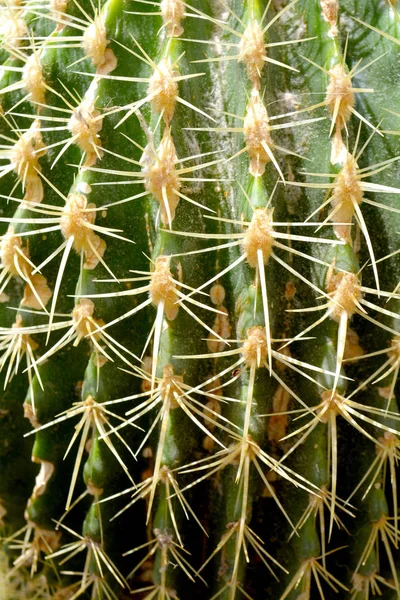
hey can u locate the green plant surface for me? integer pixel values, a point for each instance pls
(199, 299)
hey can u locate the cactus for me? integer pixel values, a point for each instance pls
(199, 299)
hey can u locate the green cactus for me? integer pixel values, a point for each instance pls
(199, 299)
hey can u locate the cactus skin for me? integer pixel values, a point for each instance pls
(199, 299)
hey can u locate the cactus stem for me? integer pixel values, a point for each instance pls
(340, 95)
(391, 365)
(231, 456)
(316, 509)
(94, 551)
(308, 570)
(388, 533)
(171, 393)
(31, 547)
(188, 391)
(143, 490)
(368, 585)
(75, 221)
(164, 293)
(84, 123)
(252, 49)
(80, 325)
(182, 399)
(17, 344)
(346, 195)
(32, 79)
(93, 39)
(165, 544)
(94, 420)
(387, 457)
(14, 28)
(24, 154)
(327, 412)
(379, 31)
(241, 530)
(254, 350)
(14, 583)
(342, 307)
(163, 91)
(161, 176)
(258, 241)
(15, 261)
(257, 133)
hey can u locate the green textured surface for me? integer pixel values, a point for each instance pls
(132, 521)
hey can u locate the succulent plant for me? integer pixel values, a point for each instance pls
(199, 299)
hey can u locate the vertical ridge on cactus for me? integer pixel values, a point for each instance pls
(199, 299)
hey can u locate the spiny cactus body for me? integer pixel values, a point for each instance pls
(199, 299)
